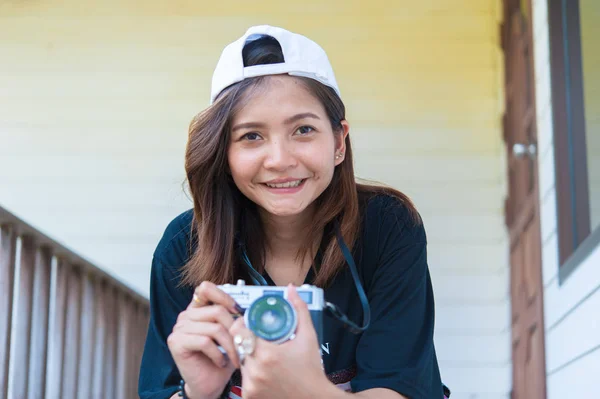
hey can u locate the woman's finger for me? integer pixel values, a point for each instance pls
(181, 342)
(208, 293)
(212, 313)
(305, 324)
(262, 349)
(217, 332)
(238, 327)
(239, 331)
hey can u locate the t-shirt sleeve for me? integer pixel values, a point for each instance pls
(159, 377)
(397, 350)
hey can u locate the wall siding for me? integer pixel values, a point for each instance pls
(96, 98)
(570, 309)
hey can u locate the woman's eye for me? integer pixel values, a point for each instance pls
(251, 136)
(305, 130)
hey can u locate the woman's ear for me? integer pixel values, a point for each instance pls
(340, 142)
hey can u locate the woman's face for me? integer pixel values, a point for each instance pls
(282, 150)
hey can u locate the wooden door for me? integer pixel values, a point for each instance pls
(522, 204)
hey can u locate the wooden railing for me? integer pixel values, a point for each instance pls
(67, 329)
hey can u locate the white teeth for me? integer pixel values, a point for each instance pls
(289, 184)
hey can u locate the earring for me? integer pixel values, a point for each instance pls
(338, 156)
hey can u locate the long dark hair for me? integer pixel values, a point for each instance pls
(224, 217)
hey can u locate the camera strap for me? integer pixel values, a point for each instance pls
(257, 278)
(332, 309)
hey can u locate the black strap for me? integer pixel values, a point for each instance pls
(332, 309)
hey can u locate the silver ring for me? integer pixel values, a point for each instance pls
(244, 346)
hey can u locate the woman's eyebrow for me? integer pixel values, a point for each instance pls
(300, 116)
(248, 125)
(290, 120)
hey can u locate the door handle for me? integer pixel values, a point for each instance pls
(521, 150)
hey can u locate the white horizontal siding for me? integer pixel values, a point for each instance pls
(577, 331)
(99, 195)
(483, 382)
(97, 166)
(474, 346)
(548, 214)
(550, 259)
(148, 137)
(433, 140)
(468, 258)
(466, 287)
(576, 380)
(562, 299)
(435, 169)
(571, 308)
(470, 318)
(546, 172)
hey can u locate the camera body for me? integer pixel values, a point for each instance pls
(270, 315)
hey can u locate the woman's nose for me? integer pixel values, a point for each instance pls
(280, 156)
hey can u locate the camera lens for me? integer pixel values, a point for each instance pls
(271, 318)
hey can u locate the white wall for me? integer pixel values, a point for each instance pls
(95, 102)
(571, 310)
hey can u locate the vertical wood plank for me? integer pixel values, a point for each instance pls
(86, 340)
(56, 328)
(8, 242)
(100, 341)
(71, 348)
(142, 328)
(138, 339)
(36, 377)
(110, 369)
(143, 320)
(21, 320)
(124, 327)
(131, 348)
(136, 343)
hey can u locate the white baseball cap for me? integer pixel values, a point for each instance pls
(302, 57)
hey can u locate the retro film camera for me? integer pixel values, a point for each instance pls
(268, 313)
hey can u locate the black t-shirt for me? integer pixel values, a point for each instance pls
(395, 352)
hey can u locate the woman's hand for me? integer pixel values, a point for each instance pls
(292, 369)
(194, 342)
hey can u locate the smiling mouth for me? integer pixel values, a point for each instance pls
(289, 184)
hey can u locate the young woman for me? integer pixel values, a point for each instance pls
(270, 169)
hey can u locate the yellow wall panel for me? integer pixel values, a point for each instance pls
(382, 63)
(331, 8)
